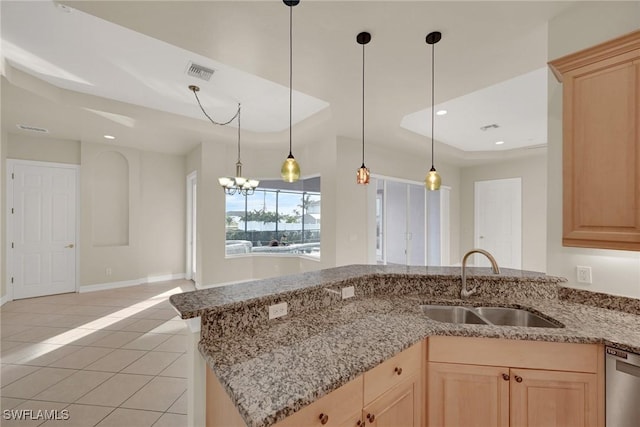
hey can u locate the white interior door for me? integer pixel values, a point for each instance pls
(43, 232)
(498, 221)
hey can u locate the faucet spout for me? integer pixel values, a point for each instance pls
(465, 293)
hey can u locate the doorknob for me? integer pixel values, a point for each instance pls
(70, 246)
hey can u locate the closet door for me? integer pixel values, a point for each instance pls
(417, 224)
(396, 220)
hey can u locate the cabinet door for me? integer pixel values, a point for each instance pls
(340, 408)
(467, 395)
(553, 398)
(601, 144)
(398, 407)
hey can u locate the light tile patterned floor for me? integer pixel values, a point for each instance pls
(108, 358)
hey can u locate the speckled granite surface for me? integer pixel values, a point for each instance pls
(598, 299)
(273, 368)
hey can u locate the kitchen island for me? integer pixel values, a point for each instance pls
(271, 369)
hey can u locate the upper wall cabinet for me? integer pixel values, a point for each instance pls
(601, 144)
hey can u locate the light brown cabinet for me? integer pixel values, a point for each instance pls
(393, 391)
(389, 395)
(563, 387)
(601, 144)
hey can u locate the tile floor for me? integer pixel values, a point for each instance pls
(107, 358)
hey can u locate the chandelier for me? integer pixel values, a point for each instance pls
(237, 184)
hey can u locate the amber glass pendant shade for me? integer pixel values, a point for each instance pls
(290, 169)
(433, 180)
(362, 176)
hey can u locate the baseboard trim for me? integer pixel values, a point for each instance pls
(126, 283)
(4, 300)
(217, 285)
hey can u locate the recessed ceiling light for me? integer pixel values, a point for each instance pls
(109, 137)
(499, 142)
(441, 112)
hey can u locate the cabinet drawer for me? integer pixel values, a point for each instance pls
(515, 353)
(337, 408)
(392, 372)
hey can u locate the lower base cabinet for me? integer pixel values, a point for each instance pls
(514, 383)
(389, 395)
(469, 382)
(398, 407)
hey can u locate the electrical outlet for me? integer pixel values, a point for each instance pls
(348, 292)
(277, 310)
(583, 273)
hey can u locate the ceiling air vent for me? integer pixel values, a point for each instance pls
(199, 71)
(32, 128)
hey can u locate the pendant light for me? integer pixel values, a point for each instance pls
(290, 170)
(362, 176)
(237, 184)
(433, 180)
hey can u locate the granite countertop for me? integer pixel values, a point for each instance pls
(273, 368)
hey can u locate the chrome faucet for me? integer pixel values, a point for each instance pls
(464, 293)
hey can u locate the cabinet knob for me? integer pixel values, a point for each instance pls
(505, 377)
(359, 423)
(371, 417)
(398, 370)
(324, 418)
(518, 379)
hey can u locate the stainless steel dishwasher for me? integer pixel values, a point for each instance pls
(622, 388)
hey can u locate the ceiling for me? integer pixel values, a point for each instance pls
(92, 68)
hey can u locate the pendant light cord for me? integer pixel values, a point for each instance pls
(433, 49)
(363, 105)
(195, 92)
(290, 77)
(238, 114)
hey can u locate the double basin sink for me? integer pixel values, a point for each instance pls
(499, 316)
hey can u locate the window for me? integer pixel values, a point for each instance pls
(278, 217)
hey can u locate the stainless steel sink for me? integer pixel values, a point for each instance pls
(504, 316)
(499, 316)
(452, 314)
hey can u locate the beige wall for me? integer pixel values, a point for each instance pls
(25, 147)
(156, 219)
(583, 25)
(3, 239)
(346, 223)
(532, 171)
(213, 159)
(414, 167)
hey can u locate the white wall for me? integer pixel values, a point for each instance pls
(583, 25)
(533, 172)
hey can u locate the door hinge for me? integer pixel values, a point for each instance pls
(12, 280)
(13, 176)
(12, 210)
(12, 247)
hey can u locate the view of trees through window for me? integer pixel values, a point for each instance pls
(277, 218)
